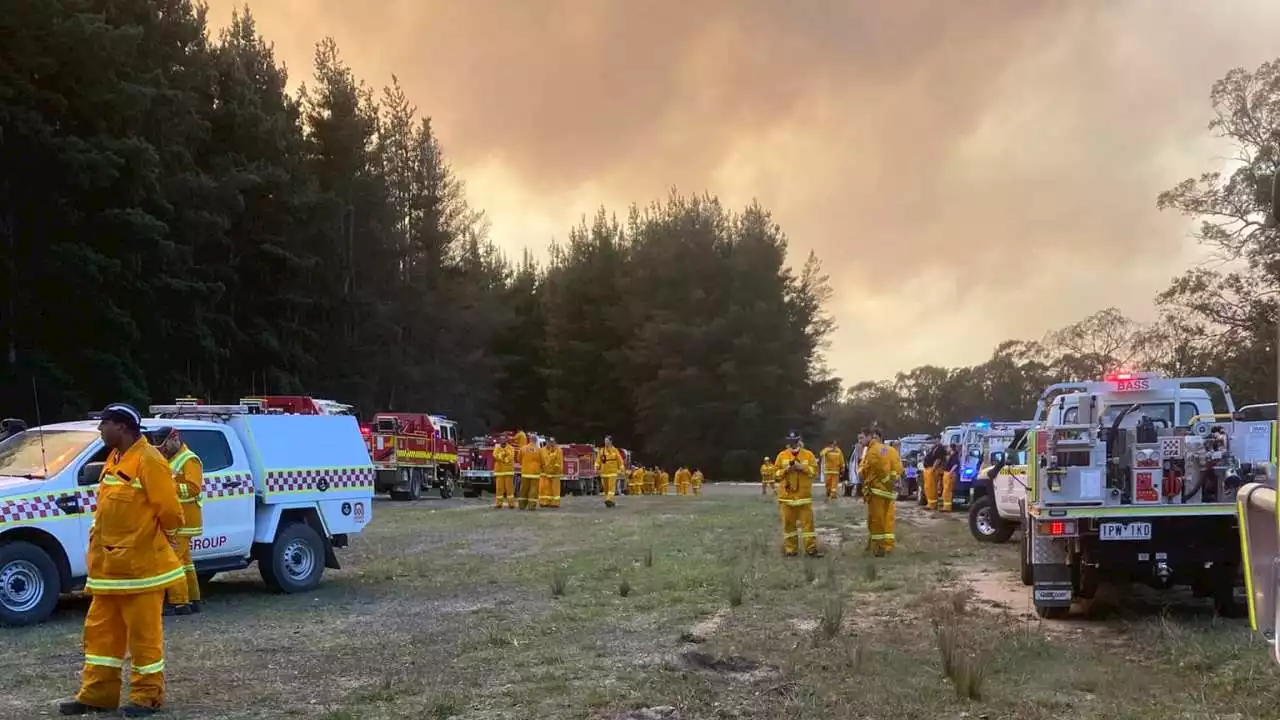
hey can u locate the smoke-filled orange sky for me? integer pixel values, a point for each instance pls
(968, 171)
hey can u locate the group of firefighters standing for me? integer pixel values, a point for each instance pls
(542, 470)
(790, 476)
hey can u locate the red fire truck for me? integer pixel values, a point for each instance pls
(291, 405)
(412, 452)
(475, 461)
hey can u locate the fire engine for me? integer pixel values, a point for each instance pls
(1129, 479)
(413, 452)
(289, 405)
(475, 462)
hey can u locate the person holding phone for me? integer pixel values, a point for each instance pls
(796, 468)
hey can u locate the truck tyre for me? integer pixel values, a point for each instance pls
(985, 524)
(29, 584)
(1224, 596)
(295, 561)
(1026, 558)
(407, 478)
(1056, 612)
(446, 489)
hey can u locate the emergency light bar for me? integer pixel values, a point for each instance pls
(183, 410)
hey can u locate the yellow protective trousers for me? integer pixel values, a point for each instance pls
(114, 626)
(831, 480)
(697, 488)
(188, 591)
(610, 485)
(929, 487)
(553, 491)
(529, 489)
(797, 522)
(948, 491)
(880, 521)
(504, 489)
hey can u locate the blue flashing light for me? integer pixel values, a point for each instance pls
(969, 473)
(982, 424)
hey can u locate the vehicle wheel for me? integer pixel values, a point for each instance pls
(985, 524)
(1052, 613)
(295, 561)
(1026, 559)
(416, 478)
(29, 584)
(1225, 602)
(446, 488)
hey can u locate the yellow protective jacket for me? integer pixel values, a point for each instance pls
(504, 460)
(520, 440)
(767, 472)
(637, 476)
(609, 461)
(795, 486)
(697, 478)
(664, 477)
(683, 477)
(552, 459)
(137, 518)
(879, 470)
(832, 460)
(530, 460)
(188, 474)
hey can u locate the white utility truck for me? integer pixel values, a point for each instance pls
(281, 490)
(1000, 486)
(911, 448)
(1132, 480)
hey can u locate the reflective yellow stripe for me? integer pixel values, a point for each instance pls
(113, 481)
(133, 583)
(181, 459)
(190, 531)
(103, 661)
(190, 567)
(790, 535)
(884, 494)
(153, 668)
(882, 536)
(809, 535)
(188, 501)
(796, 503)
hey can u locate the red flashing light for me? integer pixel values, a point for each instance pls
(1120, 376)
(1057, 527)
(364, 430)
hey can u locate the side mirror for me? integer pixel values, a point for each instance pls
(91, 472)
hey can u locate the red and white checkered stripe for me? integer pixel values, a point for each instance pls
(308, 480)
(41, 507)
(215, 485)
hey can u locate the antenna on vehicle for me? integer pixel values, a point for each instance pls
(35, 397)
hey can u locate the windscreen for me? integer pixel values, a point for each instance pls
(38, 455)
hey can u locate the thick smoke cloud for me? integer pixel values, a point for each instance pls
(968, 171)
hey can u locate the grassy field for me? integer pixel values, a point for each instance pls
(455, 610)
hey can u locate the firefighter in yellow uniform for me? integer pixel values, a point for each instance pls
(184, 598)
(879, 470)
(934, 461)
(950, 471)
(649, 479)
(609, 462)
(131, 561)
(682, 481)
(552, 460)
(635, 483)
(530, 475)
(664, 480)
(796, 469)
(767, 478)
(697, 482)
(504, 475)
(832, 463)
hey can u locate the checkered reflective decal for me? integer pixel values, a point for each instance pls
(320, 479)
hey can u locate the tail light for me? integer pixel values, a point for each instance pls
(1059, 528)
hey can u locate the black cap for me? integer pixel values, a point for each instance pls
(793, 436)
(124, 414)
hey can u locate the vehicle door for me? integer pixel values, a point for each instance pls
(229, 500)
(1010, 484)
(83, 502)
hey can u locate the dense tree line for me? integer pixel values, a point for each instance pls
(1217, 320)
(175, 221)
